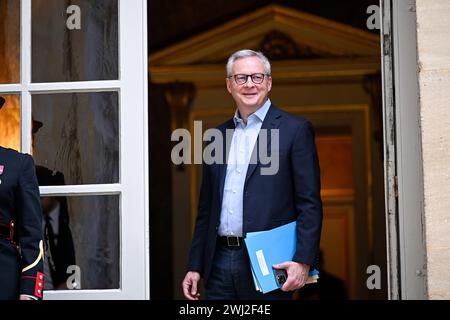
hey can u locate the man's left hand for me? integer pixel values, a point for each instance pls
(297, 274)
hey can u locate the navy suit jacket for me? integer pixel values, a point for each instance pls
(292, 194)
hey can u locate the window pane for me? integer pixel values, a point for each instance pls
(74, 40)
(81, 239)
(78, 135)
(9, 41)
(10, 122)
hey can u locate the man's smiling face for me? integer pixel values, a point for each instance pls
(249, 95)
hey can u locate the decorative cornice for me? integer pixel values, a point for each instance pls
(277, 45)
(282, 70)
(307, 30)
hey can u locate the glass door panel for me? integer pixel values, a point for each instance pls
(74, 40)
(78, 135)
(9, 41)
(82, 240)
(10, 122)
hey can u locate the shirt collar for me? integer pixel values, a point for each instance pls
(260, 113)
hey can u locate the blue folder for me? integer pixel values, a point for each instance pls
(266, 248)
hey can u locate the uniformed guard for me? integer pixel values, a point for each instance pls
(21, 236)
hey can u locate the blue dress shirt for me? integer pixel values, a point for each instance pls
(241, 148)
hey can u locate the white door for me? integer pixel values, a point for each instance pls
(81, 92)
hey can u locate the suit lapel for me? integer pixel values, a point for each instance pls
(271, 121)
(226, 148)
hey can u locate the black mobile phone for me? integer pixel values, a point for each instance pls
(280, 276)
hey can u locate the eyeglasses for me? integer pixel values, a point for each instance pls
(257, 78)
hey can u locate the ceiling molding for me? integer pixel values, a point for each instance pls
(214, 74)
(322, 36)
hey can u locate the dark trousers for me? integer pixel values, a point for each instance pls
(231, 277)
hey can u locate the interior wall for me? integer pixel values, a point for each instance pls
(433, 41)
(10, 72)
(161, 196)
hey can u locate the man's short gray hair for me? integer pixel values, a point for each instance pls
(244, 54)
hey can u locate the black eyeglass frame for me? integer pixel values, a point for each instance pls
(264, 75)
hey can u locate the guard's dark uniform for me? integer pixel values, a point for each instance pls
(21, 238)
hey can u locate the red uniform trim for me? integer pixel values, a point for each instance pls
(39, 285)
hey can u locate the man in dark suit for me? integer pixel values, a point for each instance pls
(237, 197)
(59, 246)
(58, 242)
(21, 238)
